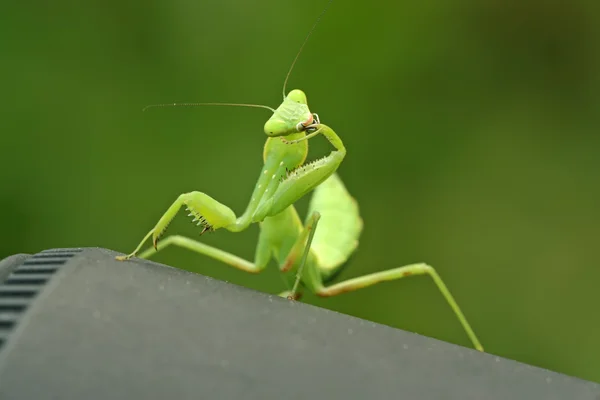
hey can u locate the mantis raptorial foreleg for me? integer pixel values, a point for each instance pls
(302, 180)
(209, 213)
(398, 273)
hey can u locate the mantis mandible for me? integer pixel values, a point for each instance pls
(309, 258)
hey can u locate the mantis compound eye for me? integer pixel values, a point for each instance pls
(276, 127)
(297, 96)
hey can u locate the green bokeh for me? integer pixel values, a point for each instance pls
(471, 129)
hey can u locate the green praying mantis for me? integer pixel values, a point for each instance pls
(308, 254)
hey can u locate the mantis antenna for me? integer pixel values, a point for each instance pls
(304, 43)
(287, 77)
(207, 104)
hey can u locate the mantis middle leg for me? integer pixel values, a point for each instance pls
(263, 253)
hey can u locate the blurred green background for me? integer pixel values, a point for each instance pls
(471, 129)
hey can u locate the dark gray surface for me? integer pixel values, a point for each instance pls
(7, 265)
(101, 329)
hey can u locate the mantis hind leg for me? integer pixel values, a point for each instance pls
(398, 273)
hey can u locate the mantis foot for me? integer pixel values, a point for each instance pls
(288, 294)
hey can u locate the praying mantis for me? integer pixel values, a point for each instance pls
(309, 254)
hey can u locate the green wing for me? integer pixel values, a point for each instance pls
(337, 233)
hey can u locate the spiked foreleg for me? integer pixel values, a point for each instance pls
(207, 212)
(305, 178)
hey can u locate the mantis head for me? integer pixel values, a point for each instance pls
(292, 116)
